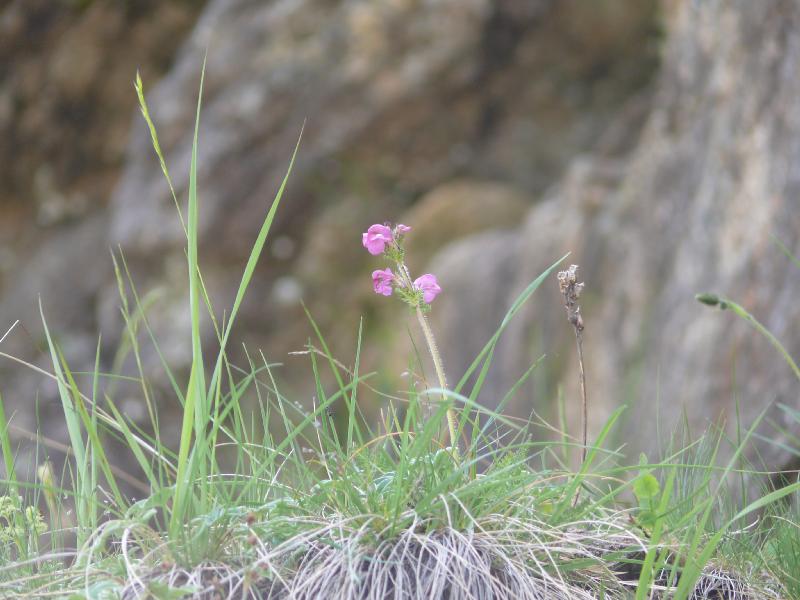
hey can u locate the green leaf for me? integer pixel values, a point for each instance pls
(646, 488)
(647, 518)
(161, 591)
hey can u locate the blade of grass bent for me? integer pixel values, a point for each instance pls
(252, 261)
(785, 250)
(724, 303)
(73, 430)
(488, 349)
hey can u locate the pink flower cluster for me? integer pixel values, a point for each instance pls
(377, 237)
(382, 239)
(382, 282)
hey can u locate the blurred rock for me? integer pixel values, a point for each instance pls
(397, 98)
(694, 208)
(506, 133)
(400, 98)
(459, 208)
(65, 89)
(483, 275)
(66, 100)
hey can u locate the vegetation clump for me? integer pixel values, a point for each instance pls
(441, 498)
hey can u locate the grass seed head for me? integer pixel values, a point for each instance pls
(571, 290)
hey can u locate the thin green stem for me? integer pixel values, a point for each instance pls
(724, 303)
(739, 310)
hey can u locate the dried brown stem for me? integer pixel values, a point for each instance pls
(571, 290)
(579, 339)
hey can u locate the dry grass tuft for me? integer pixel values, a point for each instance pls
(499, 559)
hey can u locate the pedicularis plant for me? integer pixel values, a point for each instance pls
(383, 240)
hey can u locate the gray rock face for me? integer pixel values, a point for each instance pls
(692, 209)
(409, 92)
(658, 193)
(65, 107)
(397, 97)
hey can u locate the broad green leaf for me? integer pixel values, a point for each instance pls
(646, 488)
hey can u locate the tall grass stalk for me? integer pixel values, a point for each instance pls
(202, 404)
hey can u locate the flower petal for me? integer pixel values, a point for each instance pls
(429, 286)
(382, 281)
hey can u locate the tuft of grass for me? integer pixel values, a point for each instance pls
(278, 501)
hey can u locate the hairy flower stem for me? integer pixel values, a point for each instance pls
(452, 424)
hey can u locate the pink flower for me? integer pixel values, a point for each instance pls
(376, 238)
(429, 286)
(402, 229)
(382, 282)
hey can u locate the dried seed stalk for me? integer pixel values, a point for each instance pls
(571, 290)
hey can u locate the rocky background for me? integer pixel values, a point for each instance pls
(658, 142)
